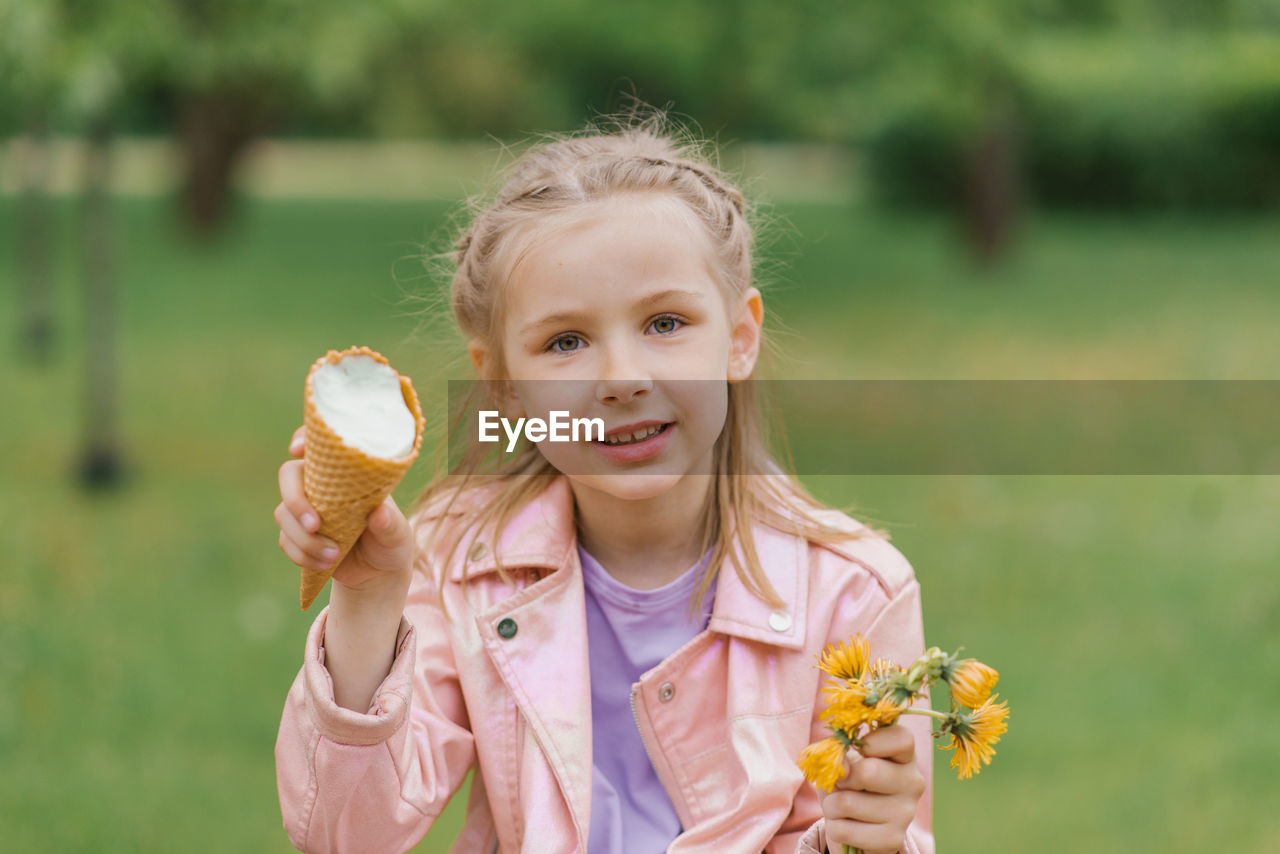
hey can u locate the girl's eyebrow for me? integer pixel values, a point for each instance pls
(644, 302)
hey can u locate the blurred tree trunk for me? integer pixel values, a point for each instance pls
(992, 180)
(35, 235)
(100, 463)
(215, 128)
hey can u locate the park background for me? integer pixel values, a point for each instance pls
(197, 200)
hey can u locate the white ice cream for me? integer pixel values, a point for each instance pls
(360, 399)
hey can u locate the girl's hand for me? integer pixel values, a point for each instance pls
(379, 562)
(874, 802)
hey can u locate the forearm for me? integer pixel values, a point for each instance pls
(360, 643)
(353, 781)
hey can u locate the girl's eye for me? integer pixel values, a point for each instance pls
(557, 344)
(667, 324)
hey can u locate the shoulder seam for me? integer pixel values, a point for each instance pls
(893, 573)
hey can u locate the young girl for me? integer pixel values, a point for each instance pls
(525, 620)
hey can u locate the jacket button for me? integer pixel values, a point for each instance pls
(666, 691)
(779, 621)
(507, 628)
(477, 551)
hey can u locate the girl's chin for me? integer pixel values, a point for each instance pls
(629, 487)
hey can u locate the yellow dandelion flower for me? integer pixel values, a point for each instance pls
(885, 712)
(971, 682)
(846, 691)
(846, 662)
(823, 762)
(973, 735)
(883, 668)
(846, 708)
(848, 718)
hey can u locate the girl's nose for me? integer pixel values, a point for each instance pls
(621, 390)
(622, 377)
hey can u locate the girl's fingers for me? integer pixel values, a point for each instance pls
(295, 497)
(896, 743)
(870, 774)
(858, 806)
(388, 524)
(868, 837)
(386, 543)
(298, 556)
(319, 549)
(297, 444)
(298, 520)
(876, 799)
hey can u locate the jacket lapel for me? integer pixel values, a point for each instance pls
(544, 661)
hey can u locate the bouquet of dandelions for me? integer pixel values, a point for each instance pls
(868, 696)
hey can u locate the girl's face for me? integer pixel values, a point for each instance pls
(619, 316)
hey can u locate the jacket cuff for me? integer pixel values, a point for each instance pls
(814, 841)
(389, 707)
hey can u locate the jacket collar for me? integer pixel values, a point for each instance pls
(543, 535)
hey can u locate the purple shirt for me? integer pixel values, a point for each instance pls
(629, 632)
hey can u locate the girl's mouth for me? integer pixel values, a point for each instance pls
(637, 445)
(637, 436)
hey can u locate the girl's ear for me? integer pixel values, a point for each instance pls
(504, 390)
(744, 342)
(478, 352)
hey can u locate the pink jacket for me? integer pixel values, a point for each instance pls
(724, 717)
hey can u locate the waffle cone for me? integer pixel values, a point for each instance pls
(344, 484)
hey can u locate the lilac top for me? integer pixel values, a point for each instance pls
(629, 632)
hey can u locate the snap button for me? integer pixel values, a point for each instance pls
(507, 628)
(779, 621)
(477, 551)
(666, 691)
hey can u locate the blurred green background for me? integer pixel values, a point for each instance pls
(197, 200)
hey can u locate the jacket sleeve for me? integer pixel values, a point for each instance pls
(374, 782)
(895, 632)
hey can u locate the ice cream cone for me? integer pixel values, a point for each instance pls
(343, 483)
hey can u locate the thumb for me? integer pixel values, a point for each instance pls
(852, 757)
(387, 524)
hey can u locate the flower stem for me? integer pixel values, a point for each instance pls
(942, 716)
(849, 849)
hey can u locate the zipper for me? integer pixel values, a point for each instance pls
(635, 689)
(521, 726)
(685, 820)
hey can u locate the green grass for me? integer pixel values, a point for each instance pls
(148, 638)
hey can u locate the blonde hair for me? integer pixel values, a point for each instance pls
(638, 152)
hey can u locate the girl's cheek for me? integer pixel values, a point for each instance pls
(701, 365)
